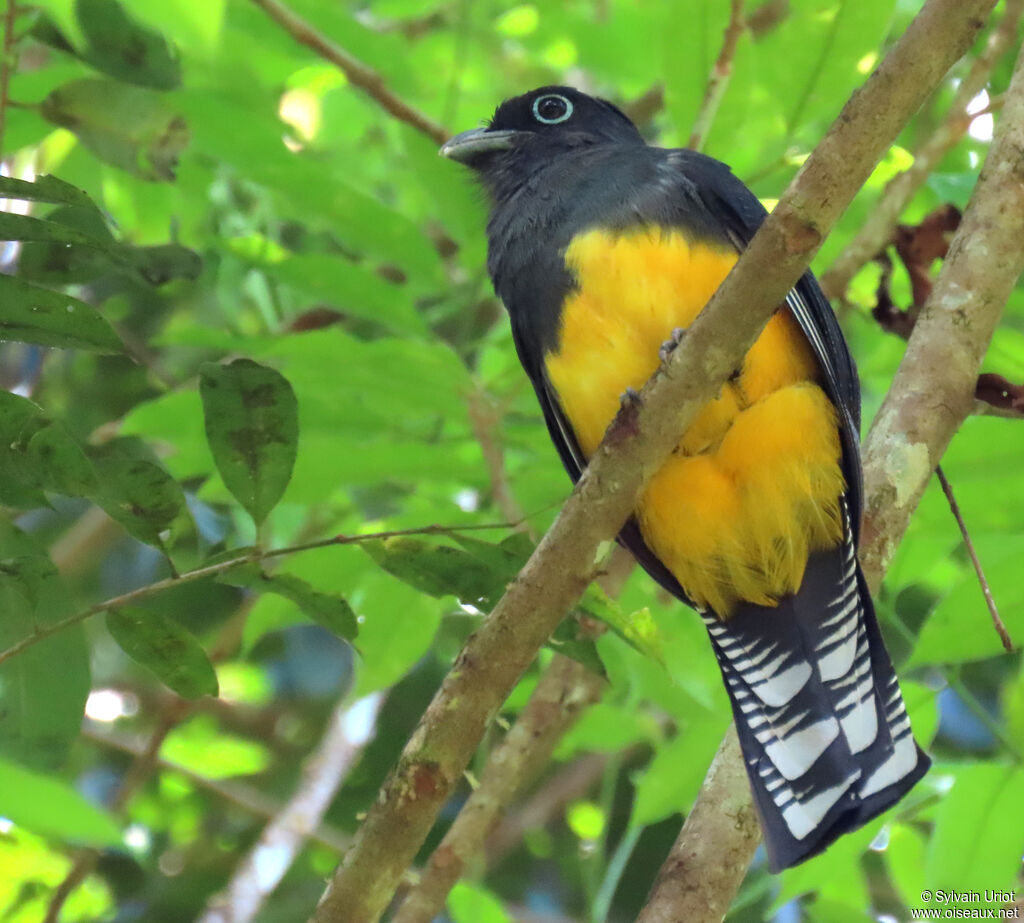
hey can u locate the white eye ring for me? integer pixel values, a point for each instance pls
(563, 117)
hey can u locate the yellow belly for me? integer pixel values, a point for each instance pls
(754, 484)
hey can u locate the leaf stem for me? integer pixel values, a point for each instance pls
(359, 74)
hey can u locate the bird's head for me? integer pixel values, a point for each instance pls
(537, 126)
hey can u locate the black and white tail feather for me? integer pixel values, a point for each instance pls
(821, 721)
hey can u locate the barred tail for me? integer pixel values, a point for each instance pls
(821, 721)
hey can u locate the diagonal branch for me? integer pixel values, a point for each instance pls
(635, 446)
(564, 690)
(934, 388)
(358, 73)
(931, 396)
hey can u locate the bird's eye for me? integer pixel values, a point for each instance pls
(551, 109)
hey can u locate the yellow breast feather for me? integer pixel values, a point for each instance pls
(754, 485)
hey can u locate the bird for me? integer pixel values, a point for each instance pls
(603, 250)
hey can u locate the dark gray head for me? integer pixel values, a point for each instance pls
(528, 130)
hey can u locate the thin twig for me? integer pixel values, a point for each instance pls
(484, 417)
(986, 590)
(635, 446)
(718, 80)
(564, 690)
(349, 728)
(568, 784)
(877, 230)
(213, 570)
(358, 73)
(6, 66)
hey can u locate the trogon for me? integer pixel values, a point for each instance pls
(602, 248)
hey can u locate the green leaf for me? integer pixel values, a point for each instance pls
(472, 903)
(834, 875)
(203, 746)
(1013, 708)
(437, 570)
(135, 489)
(52, 808)
(506, 558)
(61, 462)
(45, 188)
(586, 819)
(131, 127)
(54, 263)
(41, 455)
(332, 612)
(42, 689)
(671, 781)
(124, 49)
(353, 289)
(252, 427)
(20, 484)
(978, 837)
(693, 38)
(165, 648)
(960, 628)
(905, 856)
(30, 314)
(25, 227)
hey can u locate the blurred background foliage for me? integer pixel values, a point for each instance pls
(225, 194)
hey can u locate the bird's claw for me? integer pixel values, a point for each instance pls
(670, 345)
(630, 399)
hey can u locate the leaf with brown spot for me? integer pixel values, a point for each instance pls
(252, 426)
(135, 490)
(165, 648)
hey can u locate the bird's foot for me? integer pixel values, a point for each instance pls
(670, 345)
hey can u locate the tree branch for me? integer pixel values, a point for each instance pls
(564, 690)
(929, 399)
(933, 391)
(718, 80)
(713, 851)
(635, 446)
(878, 229)
(358, 73)
(349, 729)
